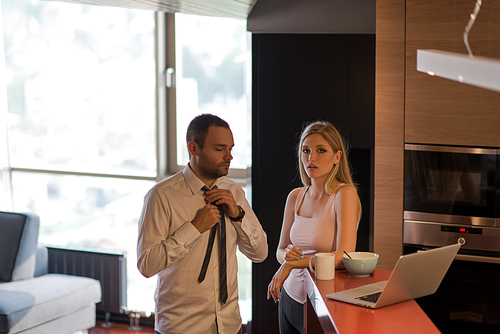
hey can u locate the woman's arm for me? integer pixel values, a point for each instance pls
(288, 217)
(284, 252)
(347, 207)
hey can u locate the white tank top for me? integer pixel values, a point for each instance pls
(313, 235)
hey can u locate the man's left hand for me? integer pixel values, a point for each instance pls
(225, 198)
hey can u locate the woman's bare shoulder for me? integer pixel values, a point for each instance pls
(296, 191)
(347, 190)
(292, 196)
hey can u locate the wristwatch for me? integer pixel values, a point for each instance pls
(240, 216)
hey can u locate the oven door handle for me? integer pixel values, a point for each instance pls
(475, 258)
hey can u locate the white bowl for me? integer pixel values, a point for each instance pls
(361, 264)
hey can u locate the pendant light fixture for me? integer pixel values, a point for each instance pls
(469, 69)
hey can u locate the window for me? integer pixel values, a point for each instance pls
(88, 119)
(210, 56)
(81, 111)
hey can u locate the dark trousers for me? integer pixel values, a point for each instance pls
(290, 315)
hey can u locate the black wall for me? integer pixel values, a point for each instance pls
(299, 78)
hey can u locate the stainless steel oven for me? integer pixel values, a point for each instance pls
(451, 184)
(452, 194)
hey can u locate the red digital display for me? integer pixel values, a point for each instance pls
(455, 229)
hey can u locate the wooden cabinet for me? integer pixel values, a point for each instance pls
(413, 107)
(441, 111)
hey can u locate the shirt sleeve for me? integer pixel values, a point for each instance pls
(157, 246)
(252, 240)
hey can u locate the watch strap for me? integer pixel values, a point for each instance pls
(240, 215)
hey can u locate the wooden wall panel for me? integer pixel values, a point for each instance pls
(441, 111)
(389, 131)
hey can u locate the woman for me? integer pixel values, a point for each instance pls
(322, 216)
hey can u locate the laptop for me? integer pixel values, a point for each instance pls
(414, 275)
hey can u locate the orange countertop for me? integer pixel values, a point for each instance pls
(343, 318)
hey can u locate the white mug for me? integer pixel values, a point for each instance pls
(325, 265)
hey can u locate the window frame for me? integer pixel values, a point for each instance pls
(166, 109)
(167, 101)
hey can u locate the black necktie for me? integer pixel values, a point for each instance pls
(222, 254)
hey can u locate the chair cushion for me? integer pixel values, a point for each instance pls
(29, 303)
(42, 261)
(18, 240)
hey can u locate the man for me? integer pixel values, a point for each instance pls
(179, 221)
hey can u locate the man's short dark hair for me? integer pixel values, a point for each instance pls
(198, 128)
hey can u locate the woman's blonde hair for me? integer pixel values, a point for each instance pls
(340, 170)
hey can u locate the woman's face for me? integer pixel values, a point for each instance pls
(318, 157)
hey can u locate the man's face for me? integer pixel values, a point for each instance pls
(215, 156)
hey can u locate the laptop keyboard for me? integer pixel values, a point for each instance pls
(372, 298)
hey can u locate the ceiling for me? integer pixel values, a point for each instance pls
(238, 9)
(313, 16)
(269, 16)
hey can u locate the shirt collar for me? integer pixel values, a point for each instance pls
(193, 181)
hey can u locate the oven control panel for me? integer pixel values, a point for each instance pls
(461, 229)
(474, 238)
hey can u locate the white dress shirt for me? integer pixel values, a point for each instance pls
(169, 245)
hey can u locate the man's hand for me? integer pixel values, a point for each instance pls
(225, 198)
(206, 218)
